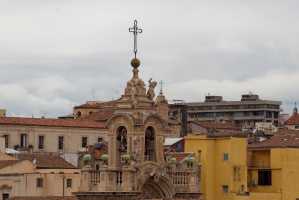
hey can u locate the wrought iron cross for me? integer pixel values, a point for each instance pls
(161, 83)
(135, 31)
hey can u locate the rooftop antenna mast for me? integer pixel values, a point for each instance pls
(135, 30)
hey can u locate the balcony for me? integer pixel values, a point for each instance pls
(25, 149)
(258, 164)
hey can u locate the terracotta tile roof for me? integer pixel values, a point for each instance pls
(100, 116)
(47, 161)
(98, 154)
(44, 198)
(6, 163)
(287, 132)
(279, 141)
(180, 156)
(217, 125)
(225, 132)
(99, 105)
(292, 120)
(50, 122)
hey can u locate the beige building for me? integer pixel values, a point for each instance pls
(245, 113)
(50, 135)
(37, 175)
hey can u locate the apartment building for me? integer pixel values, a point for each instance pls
(245, 113)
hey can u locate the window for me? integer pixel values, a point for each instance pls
(39, 182)
(242, 189)
(224, 189)
(23, 140)
(6, 141)
(60, 143)
(264, 177)
(97, 167)
(100, 139)
(40, 142)
(84, 141)
(5, 196)
(69, 183)
(225, 157)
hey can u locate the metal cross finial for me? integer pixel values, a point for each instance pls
(135, 31)
(161, 83)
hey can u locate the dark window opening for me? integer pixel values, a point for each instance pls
(23, 140)
(264, 178)
(40, 142)
(6, 141)
(224, 189)
(5, 196)
(60, 143)
(100, 139)
(68, 183)
(39, 182)
(84, 141)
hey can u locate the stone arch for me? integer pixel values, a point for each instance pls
(148, 116)
(118, 140)
(5, 190)
(114, 117)
(150, 136)
(153, 188)
(78, 114)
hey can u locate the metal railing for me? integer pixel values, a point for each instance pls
(258, 163)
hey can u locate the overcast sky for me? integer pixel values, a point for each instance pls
(55, 54)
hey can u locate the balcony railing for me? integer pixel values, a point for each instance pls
(258, 163)
(180, 179)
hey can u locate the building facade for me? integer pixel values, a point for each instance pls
(245, 113)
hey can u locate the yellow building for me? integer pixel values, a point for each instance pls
(273, 168)
(223, 160)
(2, 113)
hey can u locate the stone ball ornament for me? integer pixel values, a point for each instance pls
(135, 62)
(105, 158)
(173, 160)
(126, 158)
(86, 158)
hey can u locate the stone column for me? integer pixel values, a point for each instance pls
(102, 186)
(85, 179)
(126, 184)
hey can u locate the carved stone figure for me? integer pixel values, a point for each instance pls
(151, 89)
(158, 172)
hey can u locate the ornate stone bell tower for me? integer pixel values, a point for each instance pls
(137, 167)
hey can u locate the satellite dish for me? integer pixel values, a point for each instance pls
(34, 161)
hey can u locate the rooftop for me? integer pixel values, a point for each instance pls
(6, 163)
(279, 141)
(100, 116)
(171, 141)
(47, 161)
(217, 125)
(292, 120)
(50, 122)
(45, 198)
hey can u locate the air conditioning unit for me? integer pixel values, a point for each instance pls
(254, 182)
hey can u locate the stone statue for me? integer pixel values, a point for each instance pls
(158, 172)
(151, 89)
